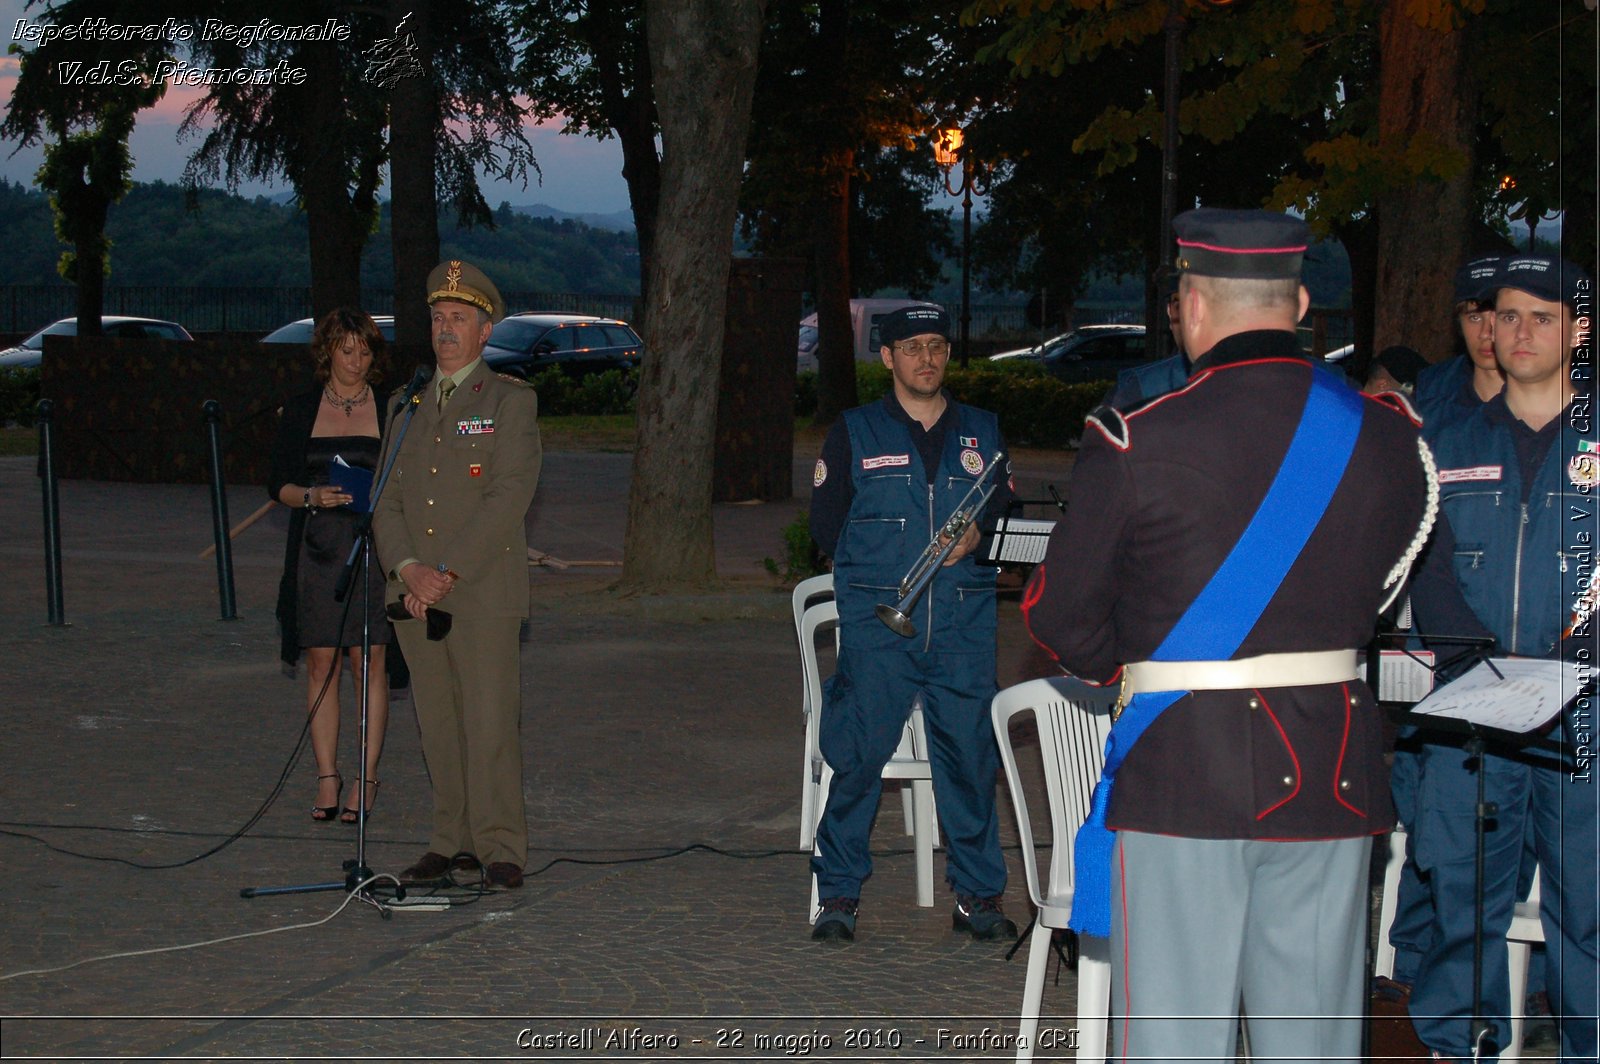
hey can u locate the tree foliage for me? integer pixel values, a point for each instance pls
(585, 63)
(80, 97)
(1308, 71)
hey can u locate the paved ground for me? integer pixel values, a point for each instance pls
(666, 896)
(664, 915)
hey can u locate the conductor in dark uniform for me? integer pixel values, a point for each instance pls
(1226, 549)
(449, 529)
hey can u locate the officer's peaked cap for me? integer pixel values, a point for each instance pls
(1257, 245)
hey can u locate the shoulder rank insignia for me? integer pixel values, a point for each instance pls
(1399, 402)
(1112, 425)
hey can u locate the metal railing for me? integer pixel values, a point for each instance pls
(25, 308)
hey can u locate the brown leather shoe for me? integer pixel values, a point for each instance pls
(505, 875)
(1393, 1038)
(430, 868)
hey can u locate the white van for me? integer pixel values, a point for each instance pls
(864, 317)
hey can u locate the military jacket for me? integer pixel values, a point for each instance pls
(1159, 497)
(460, 492)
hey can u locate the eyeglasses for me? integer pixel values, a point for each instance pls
(915, 348)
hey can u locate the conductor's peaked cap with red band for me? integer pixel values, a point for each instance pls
(1259, 245)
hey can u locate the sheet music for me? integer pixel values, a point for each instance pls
(1526, 694)
(1403, 676)
(1019, 539)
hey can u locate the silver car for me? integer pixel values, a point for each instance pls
(31, 351)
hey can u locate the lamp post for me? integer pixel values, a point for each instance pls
(949, 148)
(1175, 26)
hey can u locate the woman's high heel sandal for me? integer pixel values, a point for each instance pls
(324, 814)
(349, 816)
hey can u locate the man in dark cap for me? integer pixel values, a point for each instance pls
(1460, 384)
(1225, 550)
(1164, 375)
(1394, 370)
(449, 529)
(1511, 562)
(890, 475)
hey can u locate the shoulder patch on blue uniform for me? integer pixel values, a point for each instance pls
(1399, 402)
(1112, 425)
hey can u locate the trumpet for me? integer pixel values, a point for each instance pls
(921, 574)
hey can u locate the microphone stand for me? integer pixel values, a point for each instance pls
(1475, 746)
(360, 560)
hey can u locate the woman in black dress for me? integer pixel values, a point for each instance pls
(341, 420)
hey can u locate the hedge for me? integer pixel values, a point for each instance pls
(19, 395)
(1033, 407)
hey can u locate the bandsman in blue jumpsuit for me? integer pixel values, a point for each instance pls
(890, 475)
(1512, 562)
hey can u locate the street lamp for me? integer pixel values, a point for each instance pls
(949, 148)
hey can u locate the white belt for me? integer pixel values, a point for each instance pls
(1266, 670)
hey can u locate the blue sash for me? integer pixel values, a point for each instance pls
(1222, 615)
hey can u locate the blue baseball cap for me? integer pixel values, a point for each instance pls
(913, 321)
(1547, 277)
(1475, 282)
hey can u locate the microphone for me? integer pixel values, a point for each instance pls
(419, 379)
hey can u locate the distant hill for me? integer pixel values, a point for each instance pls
(621, 221)
(157, 238)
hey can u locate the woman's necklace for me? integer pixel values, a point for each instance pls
(347, 405)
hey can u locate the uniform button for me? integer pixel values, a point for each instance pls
(1288, 781)
(1344, 785)
(438, 439)
(430, 502)
(434, 470)
(430, 531)
(1255, 703)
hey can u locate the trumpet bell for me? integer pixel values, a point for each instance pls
(898, 622)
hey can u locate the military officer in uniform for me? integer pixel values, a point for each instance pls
(449, 530)
(1226, 549)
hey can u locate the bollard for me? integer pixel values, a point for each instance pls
(219, 510)
(52, 513)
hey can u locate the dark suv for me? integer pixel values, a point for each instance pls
(524, 344)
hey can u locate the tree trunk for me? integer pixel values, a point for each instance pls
(1424, 108)
(1360, 239)
(337, 227)
(830, 235)
(414, 198)
(836, 347)
(703, 54)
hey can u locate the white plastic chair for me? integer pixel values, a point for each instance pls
(1525, 930)
(1383, 959)
(1073, 720)
(909, 763)
(806, 593)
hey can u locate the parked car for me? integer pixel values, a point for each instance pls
(865, 314)
(524, 344)
(1094, 352)
(31, 351)
(300, 332)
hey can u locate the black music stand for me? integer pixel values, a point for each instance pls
(1477, 739)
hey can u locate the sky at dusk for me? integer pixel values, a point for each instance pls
(581, 174)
